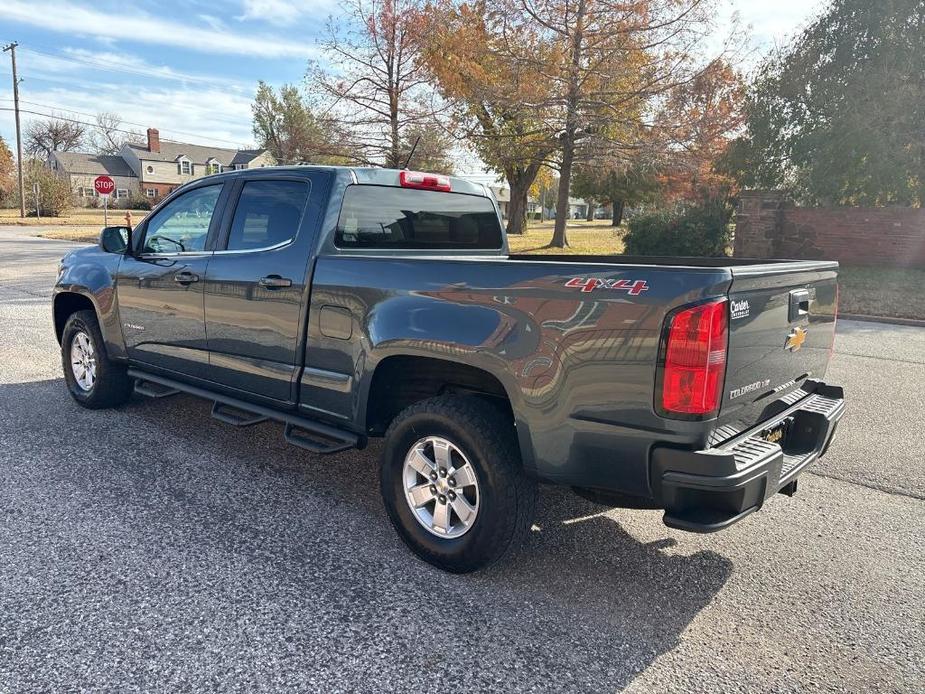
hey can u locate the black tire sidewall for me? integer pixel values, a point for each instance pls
(75, 325)
(494, 527)
(112, 386)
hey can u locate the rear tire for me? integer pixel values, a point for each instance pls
(93, 380)
(459, 525)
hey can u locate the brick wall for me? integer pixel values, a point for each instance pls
(161, 190)
(769, 226)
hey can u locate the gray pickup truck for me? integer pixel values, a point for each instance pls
(355, 303)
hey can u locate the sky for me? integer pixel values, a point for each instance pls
(190, 67)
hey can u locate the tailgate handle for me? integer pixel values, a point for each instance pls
(799, 304)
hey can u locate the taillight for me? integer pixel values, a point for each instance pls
(695, 360)
(427, 181)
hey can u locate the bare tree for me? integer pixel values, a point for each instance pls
(54, 134)
(109, 135)
(374, 83)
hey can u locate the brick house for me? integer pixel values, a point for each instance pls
(163, 165)
(80, 169)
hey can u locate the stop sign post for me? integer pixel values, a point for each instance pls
(104, 185)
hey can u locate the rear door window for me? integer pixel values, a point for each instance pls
(387, 217)
(268, 214)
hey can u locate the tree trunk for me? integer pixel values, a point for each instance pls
(393, 160)
(589, 216)
(517, 207)
(559, 237)
(617, 217)
(519, 179)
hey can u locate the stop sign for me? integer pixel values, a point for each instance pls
(104, 185)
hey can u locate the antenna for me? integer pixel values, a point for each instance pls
(411, 153)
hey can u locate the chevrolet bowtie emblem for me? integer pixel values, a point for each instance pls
(795, 339)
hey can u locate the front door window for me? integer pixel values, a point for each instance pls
(183, 224)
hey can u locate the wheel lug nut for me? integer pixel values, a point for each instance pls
(452, 481)
(442, 472)
(433, 475)
(433, 489)
(452, 496)
(442, 499)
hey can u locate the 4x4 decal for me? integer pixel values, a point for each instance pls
(589, 284)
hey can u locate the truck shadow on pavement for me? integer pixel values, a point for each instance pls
(176, 536)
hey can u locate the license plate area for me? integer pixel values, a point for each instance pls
(778, 433)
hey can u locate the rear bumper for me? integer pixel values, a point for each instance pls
(708, 490)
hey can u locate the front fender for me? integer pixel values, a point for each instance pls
(89, 274)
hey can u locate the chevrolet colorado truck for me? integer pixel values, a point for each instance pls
(355, 303)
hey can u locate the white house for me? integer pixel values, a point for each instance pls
(163, 165)
(80, 169)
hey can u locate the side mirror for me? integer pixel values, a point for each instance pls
(114, 239)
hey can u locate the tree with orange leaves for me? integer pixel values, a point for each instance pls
(700, 119)
(7, 168)
(490, 92)
(607, 64)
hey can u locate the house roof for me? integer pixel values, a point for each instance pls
(245, 156)
(87, 163)
(171, 151)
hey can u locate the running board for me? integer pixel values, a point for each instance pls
(309, 434)
(297, 435)
(153, 390)
(234, 416)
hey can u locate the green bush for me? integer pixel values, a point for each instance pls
(700, 230)
(54, 192)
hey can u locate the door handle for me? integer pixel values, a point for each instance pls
(274, 282)
(185, 277)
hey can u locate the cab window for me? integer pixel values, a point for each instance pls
(387, 217)
(183, 224)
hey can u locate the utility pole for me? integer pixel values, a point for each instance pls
(22, 192)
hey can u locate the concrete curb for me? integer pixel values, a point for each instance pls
(883, 319)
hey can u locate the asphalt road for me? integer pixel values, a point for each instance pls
(155, 549)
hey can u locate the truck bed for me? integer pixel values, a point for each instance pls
(675, 261)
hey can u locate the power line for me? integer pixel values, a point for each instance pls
(85, 123)
(140, 125)
(152, 71)
(124, 70)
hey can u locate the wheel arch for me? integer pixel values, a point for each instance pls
(401, 380)
(66, 304)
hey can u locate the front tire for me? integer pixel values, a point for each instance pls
(93, 380)
(453, 484)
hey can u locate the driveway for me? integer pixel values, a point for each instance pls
(154, 548)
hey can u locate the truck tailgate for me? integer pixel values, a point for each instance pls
(781, 332)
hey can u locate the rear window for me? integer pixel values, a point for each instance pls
(386, 217)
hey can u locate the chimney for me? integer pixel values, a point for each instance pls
(154, 140)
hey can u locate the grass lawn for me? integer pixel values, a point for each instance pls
(77, 224)
(878, 291)
(872, 291)
(597, 238)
